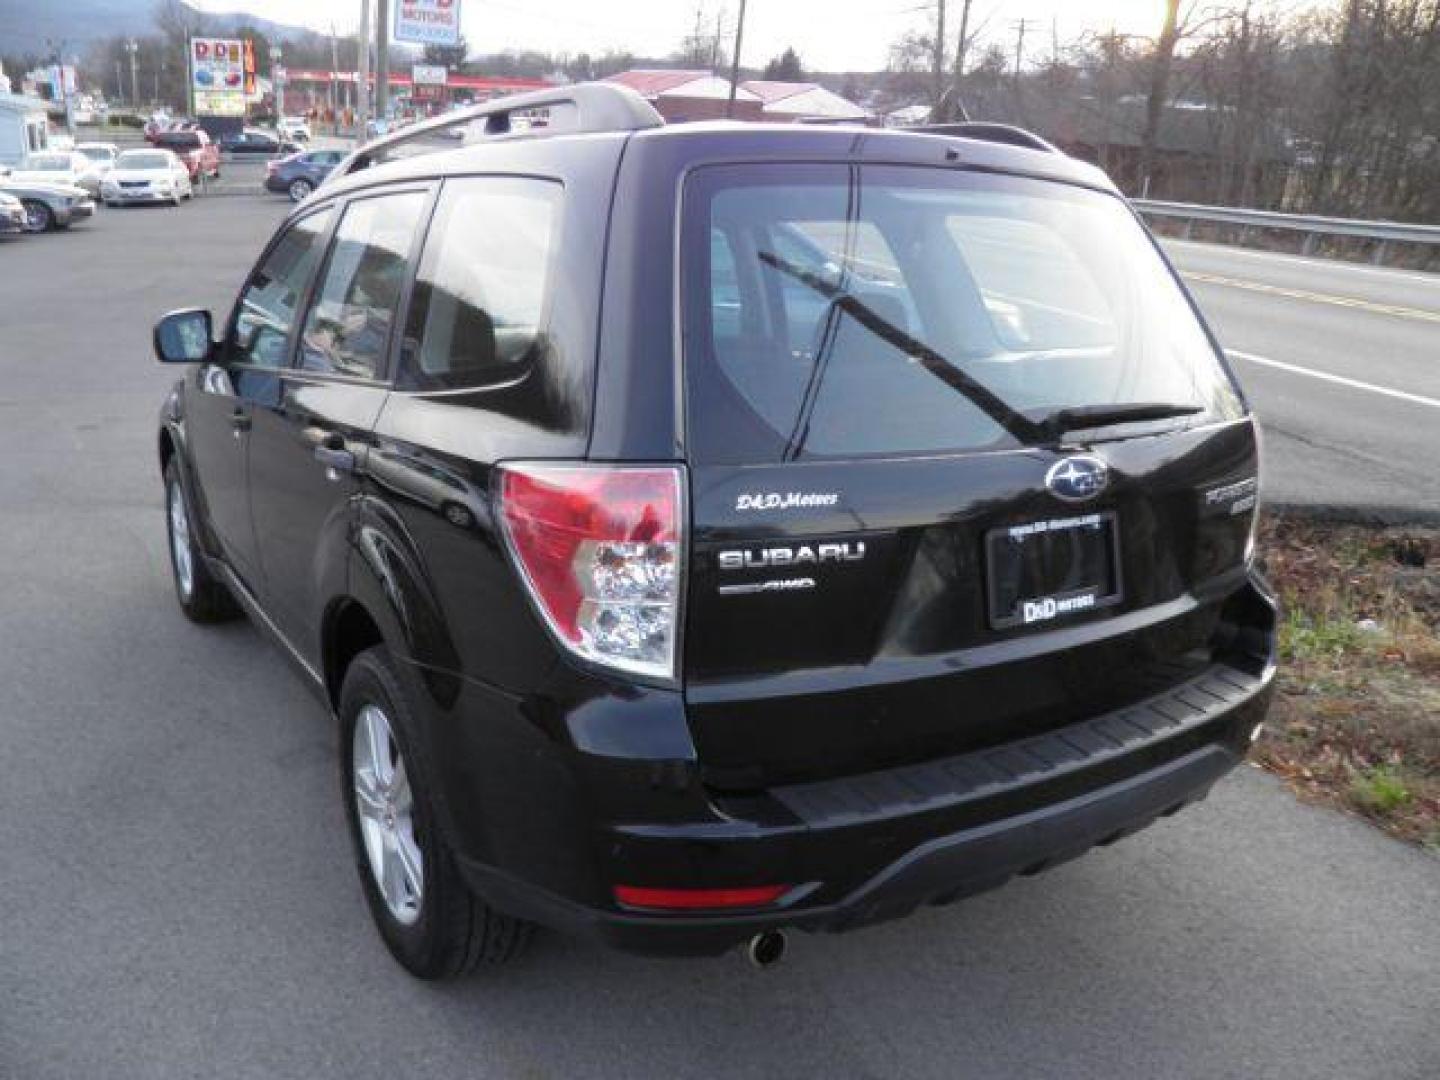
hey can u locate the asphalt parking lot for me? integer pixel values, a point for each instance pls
(179, 899)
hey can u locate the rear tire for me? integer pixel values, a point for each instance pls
(431, 922)
(202, 598)
(300, 190)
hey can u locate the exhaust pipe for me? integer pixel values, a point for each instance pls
(766, 949)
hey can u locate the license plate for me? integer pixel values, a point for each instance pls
(1043, 571)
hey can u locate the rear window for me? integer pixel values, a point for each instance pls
(837, 311)
(186, 140)
(139, 159)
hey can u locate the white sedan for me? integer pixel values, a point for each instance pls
(102, 155)
(59, 167)
(146, 176)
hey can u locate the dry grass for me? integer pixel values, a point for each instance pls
(1356, 721)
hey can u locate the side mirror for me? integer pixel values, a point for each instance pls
(183, 337)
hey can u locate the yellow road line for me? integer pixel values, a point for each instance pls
(1316, 298)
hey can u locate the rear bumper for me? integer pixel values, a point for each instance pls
(868, 848)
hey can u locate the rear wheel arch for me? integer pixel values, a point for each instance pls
(167, 448)
(349, 629)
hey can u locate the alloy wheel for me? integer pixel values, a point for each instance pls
(180, 542)
(386, 808)
(37, 217)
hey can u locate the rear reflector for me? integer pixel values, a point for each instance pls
(601, 548)
(699, 899)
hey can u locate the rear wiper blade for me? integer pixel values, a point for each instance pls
(1012, 420)
(1094, 416)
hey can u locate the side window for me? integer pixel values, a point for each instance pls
(347, 329)
(477, 311)
(266, 309)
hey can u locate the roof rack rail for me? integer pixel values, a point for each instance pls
(583, 107)
(990, 132)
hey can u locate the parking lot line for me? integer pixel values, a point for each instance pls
(1354, 384)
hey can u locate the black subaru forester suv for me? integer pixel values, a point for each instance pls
(707, 530)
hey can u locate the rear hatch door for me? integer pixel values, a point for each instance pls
(903, 544)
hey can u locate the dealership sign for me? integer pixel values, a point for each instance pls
(428, 22)
(220, 71)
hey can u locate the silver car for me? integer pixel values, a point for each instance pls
(12, 215)
(49, 206)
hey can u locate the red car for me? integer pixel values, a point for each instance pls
(194, 148)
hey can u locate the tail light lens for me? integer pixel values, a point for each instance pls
(601, 549)
(699, 899)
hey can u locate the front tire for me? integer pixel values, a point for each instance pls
(431, 922)
(202, 598)
(38, 217)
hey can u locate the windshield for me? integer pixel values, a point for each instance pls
(837, 311)
(49, 163)
(97, 153)
(140, 159)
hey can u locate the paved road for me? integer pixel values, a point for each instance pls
(1304, 333)
(178, 899)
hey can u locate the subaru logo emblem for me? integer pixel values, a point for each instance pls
(1075, 479)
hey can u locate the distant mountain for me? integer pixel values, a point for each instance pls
(39, 26)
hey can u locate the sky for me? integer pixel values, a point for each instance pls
(830, 35)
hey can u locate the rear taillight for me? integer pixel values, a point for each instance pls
(602, 550)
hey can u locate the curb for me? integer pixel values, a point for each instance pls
(1373, 516)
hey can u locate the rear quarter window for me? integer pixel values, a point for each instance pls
(478, 310)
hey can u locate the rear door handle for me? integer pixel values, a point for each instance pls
(330, 451)
(240, 422)
(339, 460)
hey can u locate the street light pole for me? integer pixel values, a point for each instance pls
(334, 69)
(362, 86)
(63, 88)
(382, 60)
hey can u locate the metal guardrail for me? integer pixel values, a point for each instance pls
(1381, 233)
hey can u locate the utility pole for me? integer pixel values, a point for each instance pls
(963, 45)
(1020, 27)
(362, 82)
(715, 41)
(937, 78)
(735, 61)
(133, 47)
(382, 60)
